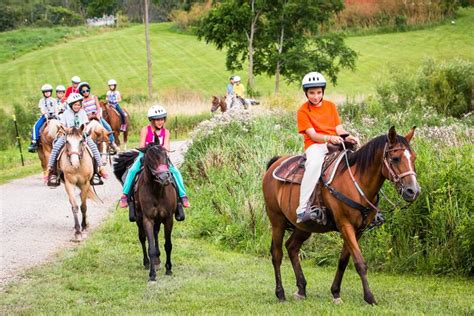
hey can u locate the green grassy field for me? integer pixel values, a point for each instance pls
(105, 276)
(181, 62)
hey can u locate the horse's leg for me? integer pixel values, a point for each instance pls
(277, 254)
(350, 239)
(156, 230)
(75, 210)
(84, 192)
(142, 238)
(148, 224)
(293, 245)
(168, 245)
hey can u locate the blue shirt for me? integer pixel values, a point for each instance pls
(230, 88)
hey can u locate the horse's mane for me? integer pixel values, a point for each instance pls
(75, 132)
(122, 162)
(363, 158)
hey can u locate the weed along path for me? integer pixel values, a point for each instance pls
(36, 221)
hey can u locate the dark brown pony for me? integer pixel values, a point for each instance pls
(384, 157)
(218, 102)
(155, 199)
(113, 118)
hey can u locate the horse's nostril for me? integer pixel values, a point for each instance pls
(410, 191)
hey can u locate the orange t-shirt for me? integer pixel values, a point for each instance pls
(323, 119)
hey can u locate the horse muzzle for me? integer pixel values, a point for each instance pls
(410, 193)
(162, 175)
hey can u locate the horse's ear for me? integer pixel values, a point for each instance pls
(392, 135)
(410, 134)
(81, 128)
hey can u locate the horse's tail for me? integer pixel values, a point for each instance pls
(122, 162)
(92, 195)
(272, 161)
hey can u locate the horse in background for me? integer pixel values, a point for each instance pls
(156, 202)
(76, 165)
(50, 131)
(100, 136)
(113, 118)
(386, 157)
(219, 102)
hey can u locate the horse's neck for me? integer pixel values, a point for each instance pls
(372, 180)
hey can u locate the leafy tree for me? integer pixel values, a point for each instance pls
(281, 37)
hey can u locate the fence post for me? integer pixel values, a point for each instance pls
(175, 128)
(18, 139)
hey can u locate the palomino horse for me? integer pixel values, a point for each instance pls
(219, 102)
(76, 165)
(113, 118)
(156, 201)
(100, 136)
(50, 131)
(384, 157)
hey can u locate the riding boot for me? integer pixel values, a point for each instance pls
(378, 221)
(33, 147)
(96, 178)
(179, 213)
(53, 179)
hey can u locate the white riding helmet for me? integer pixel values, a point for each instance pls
(76, 79)
(236, 78)
(313, 80)
(112, 82)
(156, 112)
(73, 98)
(46, 87)
(60, 88)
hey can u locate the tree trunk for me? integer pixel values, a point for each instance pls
(148, 52)
(279, 61)
(250, 38)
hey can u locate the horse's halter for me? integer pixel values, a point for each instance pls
(392, 175)
(161, 174)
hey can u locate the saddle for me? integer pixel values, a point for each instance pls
(292, 170)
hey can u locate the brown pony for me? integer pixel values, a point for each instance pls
(156, 202)
(100, 136)
(51, 130)
(75, 162)
(384, 157)
(219, 102)
(113, 118)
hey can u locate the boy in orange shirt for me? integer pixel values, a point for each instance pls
(319, 123)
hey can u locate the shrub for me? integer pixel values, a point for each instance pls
(184, 19)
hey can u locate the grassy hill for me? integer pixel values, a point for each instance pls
(182, 63)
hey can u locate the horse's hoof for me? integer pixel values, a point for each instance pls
(298, 296)
(337, 301)
(84, 233)
(168, 272)
(77, 238)
(152, 282)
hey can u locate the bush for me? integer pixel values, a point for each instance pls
(184, 19)
(447, 88)
(9, 18)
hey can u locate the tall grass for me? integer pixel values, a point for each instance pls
(225, 165)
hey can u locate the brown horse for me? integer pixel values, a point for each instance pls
(156, 202)
(384, 157)
(219, 102)
(113, 118)
(100, 136)
(75, 163)
(50, 131)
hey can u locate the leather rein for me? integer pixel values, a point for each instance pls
(393, 177)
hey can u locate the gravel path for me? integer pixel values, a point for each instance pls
(36, 221)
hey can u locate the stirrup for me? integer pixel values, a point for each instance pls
(53, 180)
(179, 213)
(314, 214)
(378, 221)
(96, 180)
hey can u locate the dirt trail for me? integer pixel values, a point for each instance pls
(36, 221)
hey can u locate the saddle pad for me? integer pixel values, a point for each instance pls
(291, 170)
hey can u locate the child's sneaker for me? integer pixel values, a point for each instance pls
(123, 201)
(185, 201)
(123, 127)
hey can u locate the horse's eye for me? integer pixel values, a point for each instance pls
(396, 159)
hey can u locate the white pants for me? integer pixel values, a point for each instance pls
(314, 162)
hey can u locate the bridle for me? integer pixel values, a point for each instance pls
(392, 175)
(79, 154)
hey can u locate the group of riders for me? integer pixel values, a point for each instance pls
(235, 94)
(318, 122)
(76, 106)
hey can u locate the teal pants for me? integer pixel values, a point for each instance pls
(132, 172)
